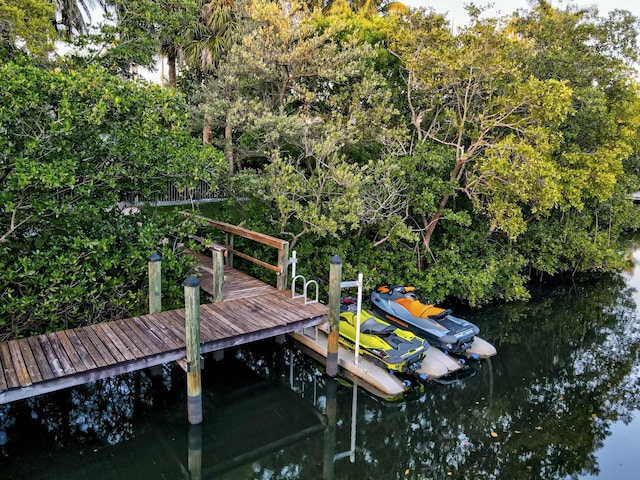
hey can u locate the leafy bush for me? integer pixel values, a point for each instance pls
(73, 144)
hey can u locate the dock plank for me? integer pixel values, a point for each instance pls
(221, 324)
(249, 292)
(19, 364)
(40, 359)
(10, 374)
(54, 363)
(247, 319)
(92, 333)
(67, 360)
(253, 318)
(125, 338)
(3, 381)
(29, 360)
(279, 313)
(86, 362)
(158, 331)
(128, 328)
(149, 335)
(174, 319)
(119, 350)
(210, 325)
(168, 336)
(90, 348)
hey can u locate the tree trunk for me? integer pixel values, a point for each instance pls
(228, 149)
(171, 61)
(433, 222)
(162, 70)
(206, 129)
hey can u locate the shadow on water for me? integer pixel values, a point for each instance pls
(565, 377)
(135, 426)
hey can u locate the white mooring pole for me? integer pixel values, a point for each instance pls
(356, 283)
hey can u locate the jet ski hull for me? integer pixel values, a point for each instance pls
(439, 327)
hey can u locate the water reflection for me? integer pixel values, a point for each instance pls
(330, 430)
(563, 385)
(567, 370)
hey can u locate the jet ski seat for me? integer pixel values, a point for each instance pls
(372, 327)
(419, 309)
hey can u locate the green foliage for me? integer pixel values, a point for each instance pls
(73, 145)
(510, 152)
(28, 21)
(112, 50)
(316, 127)
(471, 268)
(471, 92)
(132, 35)
(94, 268)
(462, 162)
(428, 168)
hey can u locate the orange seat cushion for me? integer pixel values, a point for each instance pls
(419, 309)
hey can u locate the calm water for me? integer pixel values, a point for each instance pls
(560, 401)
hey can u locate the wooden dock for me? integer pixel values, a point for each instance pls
(244, 310)
(251, 311)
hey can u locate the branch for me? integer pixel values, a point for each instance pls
(13, 226)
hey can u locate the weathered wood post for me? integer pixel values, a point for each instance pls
(283, 263)
(229, 241)
(194, 459)
(335, 278)
(218, 273)
(192, 318)
(155, 283)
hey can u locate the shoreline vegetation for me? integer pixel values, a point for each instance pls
(466, 163)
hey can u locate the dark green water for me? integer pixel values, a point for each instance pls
(561, 400)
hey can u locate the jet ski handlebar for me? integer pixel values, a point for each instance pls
(406, 290)
(398, 289)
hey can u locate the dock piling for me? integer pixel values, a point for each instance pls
(283, 262)
(192, 318)
(335, 279)
(155, 283)
(218, 274)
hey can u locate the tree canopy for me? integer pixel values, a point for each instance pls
(464, 162)
(461, 147)
(27, 22)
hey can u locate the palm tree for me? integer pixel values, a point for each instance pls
(212, 35)
(201, 39)
(73, 15)
(210, 38)
(366, 7)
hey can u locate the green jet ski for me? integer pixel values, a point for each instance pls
(394, 349)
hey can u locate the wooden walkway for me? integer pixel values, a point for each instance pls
(251, 310)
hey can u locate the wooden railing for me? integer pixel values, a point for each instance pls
(231, 230)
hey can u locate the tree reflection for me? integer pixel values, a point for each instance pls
(566, 369)
(563, 374)
(94, 415)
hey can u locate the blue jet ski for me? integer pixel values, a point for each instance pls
(400, 306)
